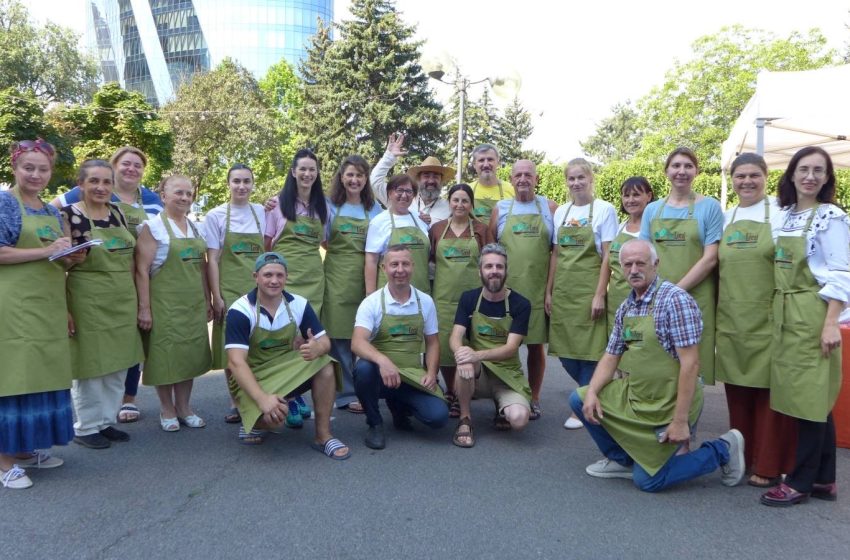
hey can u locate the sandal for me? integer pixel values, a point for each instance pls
(169, 424)
(128, 413)
(254, 437)
(470, 438)
(454, 405)
(355, 407)
(233, 416)
(536, 411)
(501, 423)
(330, 447)
(768, 482)
(192, 421)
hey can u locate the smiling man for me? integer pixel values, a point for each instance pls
(392, 327)
(488, 188)
(640, 422)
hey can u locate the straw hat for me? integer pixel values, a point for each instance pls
(431, 163)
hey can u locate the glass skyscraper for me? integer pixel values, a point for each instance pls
(151, 46)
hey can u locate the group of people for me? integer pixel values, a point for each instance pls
(373, 289)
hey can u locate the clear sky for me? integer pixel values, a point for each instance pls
(575, 59)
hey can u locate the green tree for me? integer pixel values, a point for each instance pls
(480, 120)
(512, 130)
(617, 137)
(44, 60)
(219, 118)
(114, 118)
(366, 85)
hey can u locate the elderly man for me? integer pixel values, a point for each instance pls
(494, 320)
(641, 421)
(430, 176)
(488, 188)
(392, 327)
(524, 226)
(277, 347)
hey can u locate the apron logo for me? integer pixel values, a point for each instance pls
(271, 343)
(457, 254)
(47, 234)
(632, 337)
(408, 239)
(480, 211)
(615, 247)
(784, 258)
(190, 254)
(133, 220)
(574, 241)
(245, 248)
(670, 237)
(490, 331)
(305, 230)
(741, 240)
(117, 245)
(351, 229)
(403, 330)
(525, 230)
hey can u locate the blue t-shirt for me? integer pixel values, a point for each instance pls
(707, 212)
(10, 218)
(150, 200)
(240, 319)
(349, 211)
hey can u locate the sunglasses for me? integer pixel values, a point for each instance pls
(39, 145)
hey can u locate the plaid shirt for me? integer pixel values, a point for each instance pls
(678, 320)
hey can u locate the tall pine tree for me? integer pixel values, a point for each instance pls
(365, 85)
(513, 130)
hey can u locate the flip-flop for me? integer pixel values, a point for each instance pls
(355, 407)
(254, 437)
(330, 447)
(769, 482)
(128, 413)
(233, 416)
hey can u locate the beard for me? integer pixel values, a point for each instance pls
(493, 283)
(429, 195)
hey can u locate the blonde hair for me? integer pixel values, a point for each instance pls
(171, 179)
(581, 163)
(123, 151)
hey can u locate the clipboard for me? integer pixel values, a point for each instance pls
(75, 248)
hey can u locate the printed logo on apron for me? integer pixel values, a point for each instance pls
(523, 229)
(457, 254)
(480, 211)
(402, 331)
(784, 257)
(118, 245)
(572, 241)
(271, 343)
(304, 230)
(47, 234)
(671, 238)
(191, 255)
(246, 248)
(132, 220)
(492, 331)
(632, 337)
(410, 240)
(740, 240)
(353, 229)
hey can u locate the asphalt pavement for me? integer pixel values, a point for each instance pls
(198, 494)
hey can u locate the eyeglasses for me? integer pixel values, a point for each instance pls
(817, 172)
(40, 145)
(404, 192)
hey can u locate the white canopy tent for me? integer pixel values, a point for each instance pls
(788, 111)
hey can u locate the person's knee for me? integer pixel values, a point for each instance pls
(435, 416)
(646, 483)
(517, 415)
(365, 372)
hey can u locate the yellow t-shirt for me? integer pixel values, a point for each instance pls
(486, 192)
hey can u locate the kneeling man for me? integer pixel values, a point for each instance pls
(494, 320)
(276, 347)
(392, 327)
(641, 421)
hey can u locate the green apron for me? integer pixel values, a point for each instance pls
(744, 321)
(238, 254)
(484, 206)
(803, 383)
(103, 302)
(491, 332)
(527, 241)
(299, 244)
(420, 248)
(572, 333)
(134, 213)
(634, 406)
(401, 338)
(618, 286)
(34, 337)
(456, 272)
(278, 368)
(678, 244)
(345, 286)
(177, 347)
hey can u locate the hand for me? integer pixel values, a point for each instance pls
(270, 204)
(218, 309)
(60, 244)
(145, 319)
(75, 258)
(592, 408)
(390, 374)
(210, 312)
(466, 371)
(429, 381)
(425, 217)
(72, 328)
(597, 307)
(395, 143)
(547, 303)
(273, 408)
(466, 355)
(298, 341)
(677, 432)
(830, 338)
(310, 349)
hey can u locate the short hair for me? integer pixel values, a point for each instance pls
(397, 247)
(237, 167)
(171, 179)
(748, 158)
(787, 190)
(579, 162)
(338, 195)
(401, 179)
(123, 151)
(83, 172)
(493, 249)
(652, 251)
(682, 151)
(481, 148)
(636, 183)
(461, 187)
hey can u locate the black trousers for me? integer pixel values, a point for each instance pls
(815, 463)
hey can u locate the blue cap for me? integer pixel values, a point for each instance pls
(269, 258)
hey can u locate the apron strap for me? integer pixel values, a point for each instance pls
(286, 305)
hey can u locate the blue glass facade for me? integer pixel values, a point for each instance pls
(154, 45)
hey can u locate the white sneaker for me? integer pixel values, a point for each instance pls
(573, 423)
(732, 473)
(41, 460)
(15, 478)
(606, 468)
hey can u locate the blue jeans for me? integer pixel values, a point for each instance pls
(580, 370)
(131, 383)
(405, 400)
(341, 352)
(679, 468)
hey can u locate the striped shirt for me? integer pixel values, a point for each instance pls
(678, 321)
(150, 200)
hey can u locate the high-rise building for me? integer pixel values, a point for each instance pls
(151, 46)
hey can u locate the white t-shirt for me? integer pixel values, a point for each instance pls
(160, 234)
(378, 235)
(241, 221)
(369, 314)
(604, 221)
(755, 213)
(622, 228)
(512, 206)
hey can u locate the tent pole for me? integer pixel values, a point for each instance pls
(760, 136)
